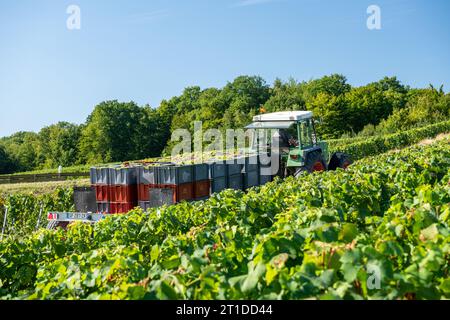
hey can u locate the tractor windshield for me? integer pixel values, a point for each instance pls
(289, 136)
(292, 131)
(306, 134)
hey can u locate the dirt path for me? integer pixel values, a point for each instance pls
(424, 142)
(439, 137)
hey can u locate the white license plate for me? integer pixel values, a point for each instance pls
(78, 216)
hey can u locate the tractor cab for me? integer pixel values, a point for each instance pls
(292, 135)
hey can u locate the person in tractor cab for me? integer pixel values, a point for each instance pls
(286, 140)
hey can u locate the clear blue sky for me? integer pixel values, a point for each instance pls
(150, 50)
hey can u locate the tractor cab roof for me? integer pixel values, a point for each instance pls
(284, 116)
(278, 120)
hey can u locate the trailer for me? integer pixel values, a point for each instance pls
(290, 136)
(63, 219)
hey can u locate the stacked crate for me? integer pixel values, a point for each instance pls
(146, 180)
(238, 174)
(218, 172)
(84, 199)
(174, 184)
(251, 172)
(123, 189)
(115, 188)
(243, 173)
(235, 176)
(202, 182)
(119, 189)
(100, 180)
(169, 184)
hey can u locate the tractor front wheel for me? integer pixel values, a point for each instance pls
(339, 160)
(314, 162)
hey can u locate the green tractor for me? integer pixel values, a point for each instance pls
(298, 147)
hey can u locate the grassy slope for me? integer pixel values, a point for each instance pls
(41, 187)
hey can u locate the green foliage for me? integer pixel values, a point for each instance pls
(244, 97)
(38, 188)
(59, 144)
(117, 131)
(365, 147)
(367, 105)
(230, 107)
(24, 209)
(285, 96)
(423, 107)
(23, 148)
(340, 108)
(332, 113)
(6, 163)
(53, 146)
(320, 236)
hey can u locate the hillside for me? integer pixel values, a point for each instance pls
(121, 131)
(376, 231)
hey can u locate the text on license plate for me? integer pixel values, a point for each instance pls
(77, 216)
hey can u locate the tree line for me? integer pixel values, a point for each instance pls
(119, 131)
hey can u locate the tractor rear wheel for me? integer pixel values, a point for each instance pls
(314, 162)
(339, 160)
